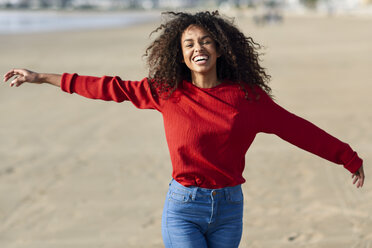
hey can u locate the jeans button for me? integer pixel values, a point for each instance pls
(214, 193)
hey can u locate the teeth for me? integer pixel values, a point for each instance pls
(199, 58)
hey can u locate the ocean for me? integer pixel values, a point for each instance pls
(20, 22)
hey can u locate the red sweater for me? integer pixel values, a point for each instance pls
(209, 130)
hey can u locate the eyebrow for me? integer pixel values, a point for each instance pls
(202, 38)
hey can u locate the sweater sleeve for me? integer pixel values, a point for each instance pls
(305, 135)
(111, 89)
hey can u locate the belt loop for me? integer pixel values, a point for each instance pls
(193, 195)
(227, 193)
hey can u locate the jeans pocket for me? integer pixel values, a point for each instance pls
(179, 197)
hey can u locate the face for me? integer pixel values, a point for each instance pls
(199, 50)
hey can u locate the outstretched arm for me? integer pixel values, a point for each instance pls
(305, 135)
(104, 88)
(27, 76)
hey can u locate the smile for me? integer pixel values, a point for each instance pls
(201, 59)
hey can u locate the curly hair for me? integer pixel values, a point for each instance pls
(239, 60)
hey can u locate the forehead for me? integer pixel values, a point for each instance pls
(194, 31)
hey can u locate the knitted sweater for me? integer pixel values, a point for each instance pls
(209, 131)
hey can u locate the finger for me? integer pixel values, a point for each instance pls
(361, 181)
(361, 176)
(359, 184)
(14, 72)
(13, 83)
(355, 180)
(17, 82)
(8, 75)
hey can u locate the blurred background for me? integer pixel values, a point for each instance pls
(27, 15)
(78, 173)
(343, 5)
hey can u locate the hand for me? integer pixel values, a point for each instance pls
(22, 76)
(359, 177)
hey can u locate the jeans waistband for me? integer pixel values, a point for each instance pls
(227, 193)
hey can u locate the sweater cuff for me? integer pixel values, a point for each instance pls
(354, 164)
(67, 81)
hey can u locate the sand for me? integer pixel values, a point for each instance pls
(81, 173)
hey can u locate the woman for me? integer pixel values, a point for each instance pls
(206, 81)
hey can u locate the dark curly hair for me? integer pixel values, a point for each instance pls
(239, 60)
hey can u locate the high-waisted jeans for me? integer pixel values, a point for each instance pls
(199, 218)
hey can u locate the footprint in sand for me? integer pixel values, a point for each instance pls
(309, 236)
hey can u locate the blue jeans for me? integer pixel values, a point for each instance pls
(199, 218)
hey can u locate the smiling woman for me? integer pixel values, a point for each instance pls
(205, 80)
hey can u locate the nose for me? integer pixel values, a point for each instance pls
(198, 47)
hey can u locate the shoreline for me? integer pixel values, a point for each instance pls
(86, 20)
(34, 22)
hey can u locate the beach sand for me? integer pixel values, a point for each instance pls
(81, 173)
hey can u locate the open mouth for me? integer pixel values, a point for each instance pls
(201, 59)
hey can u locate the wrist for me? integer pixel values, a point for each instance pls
(41, 78)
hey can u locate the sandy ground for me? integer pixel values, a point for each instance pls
(80, 173)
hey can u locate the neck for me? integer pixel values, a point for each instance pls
(205, 81)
